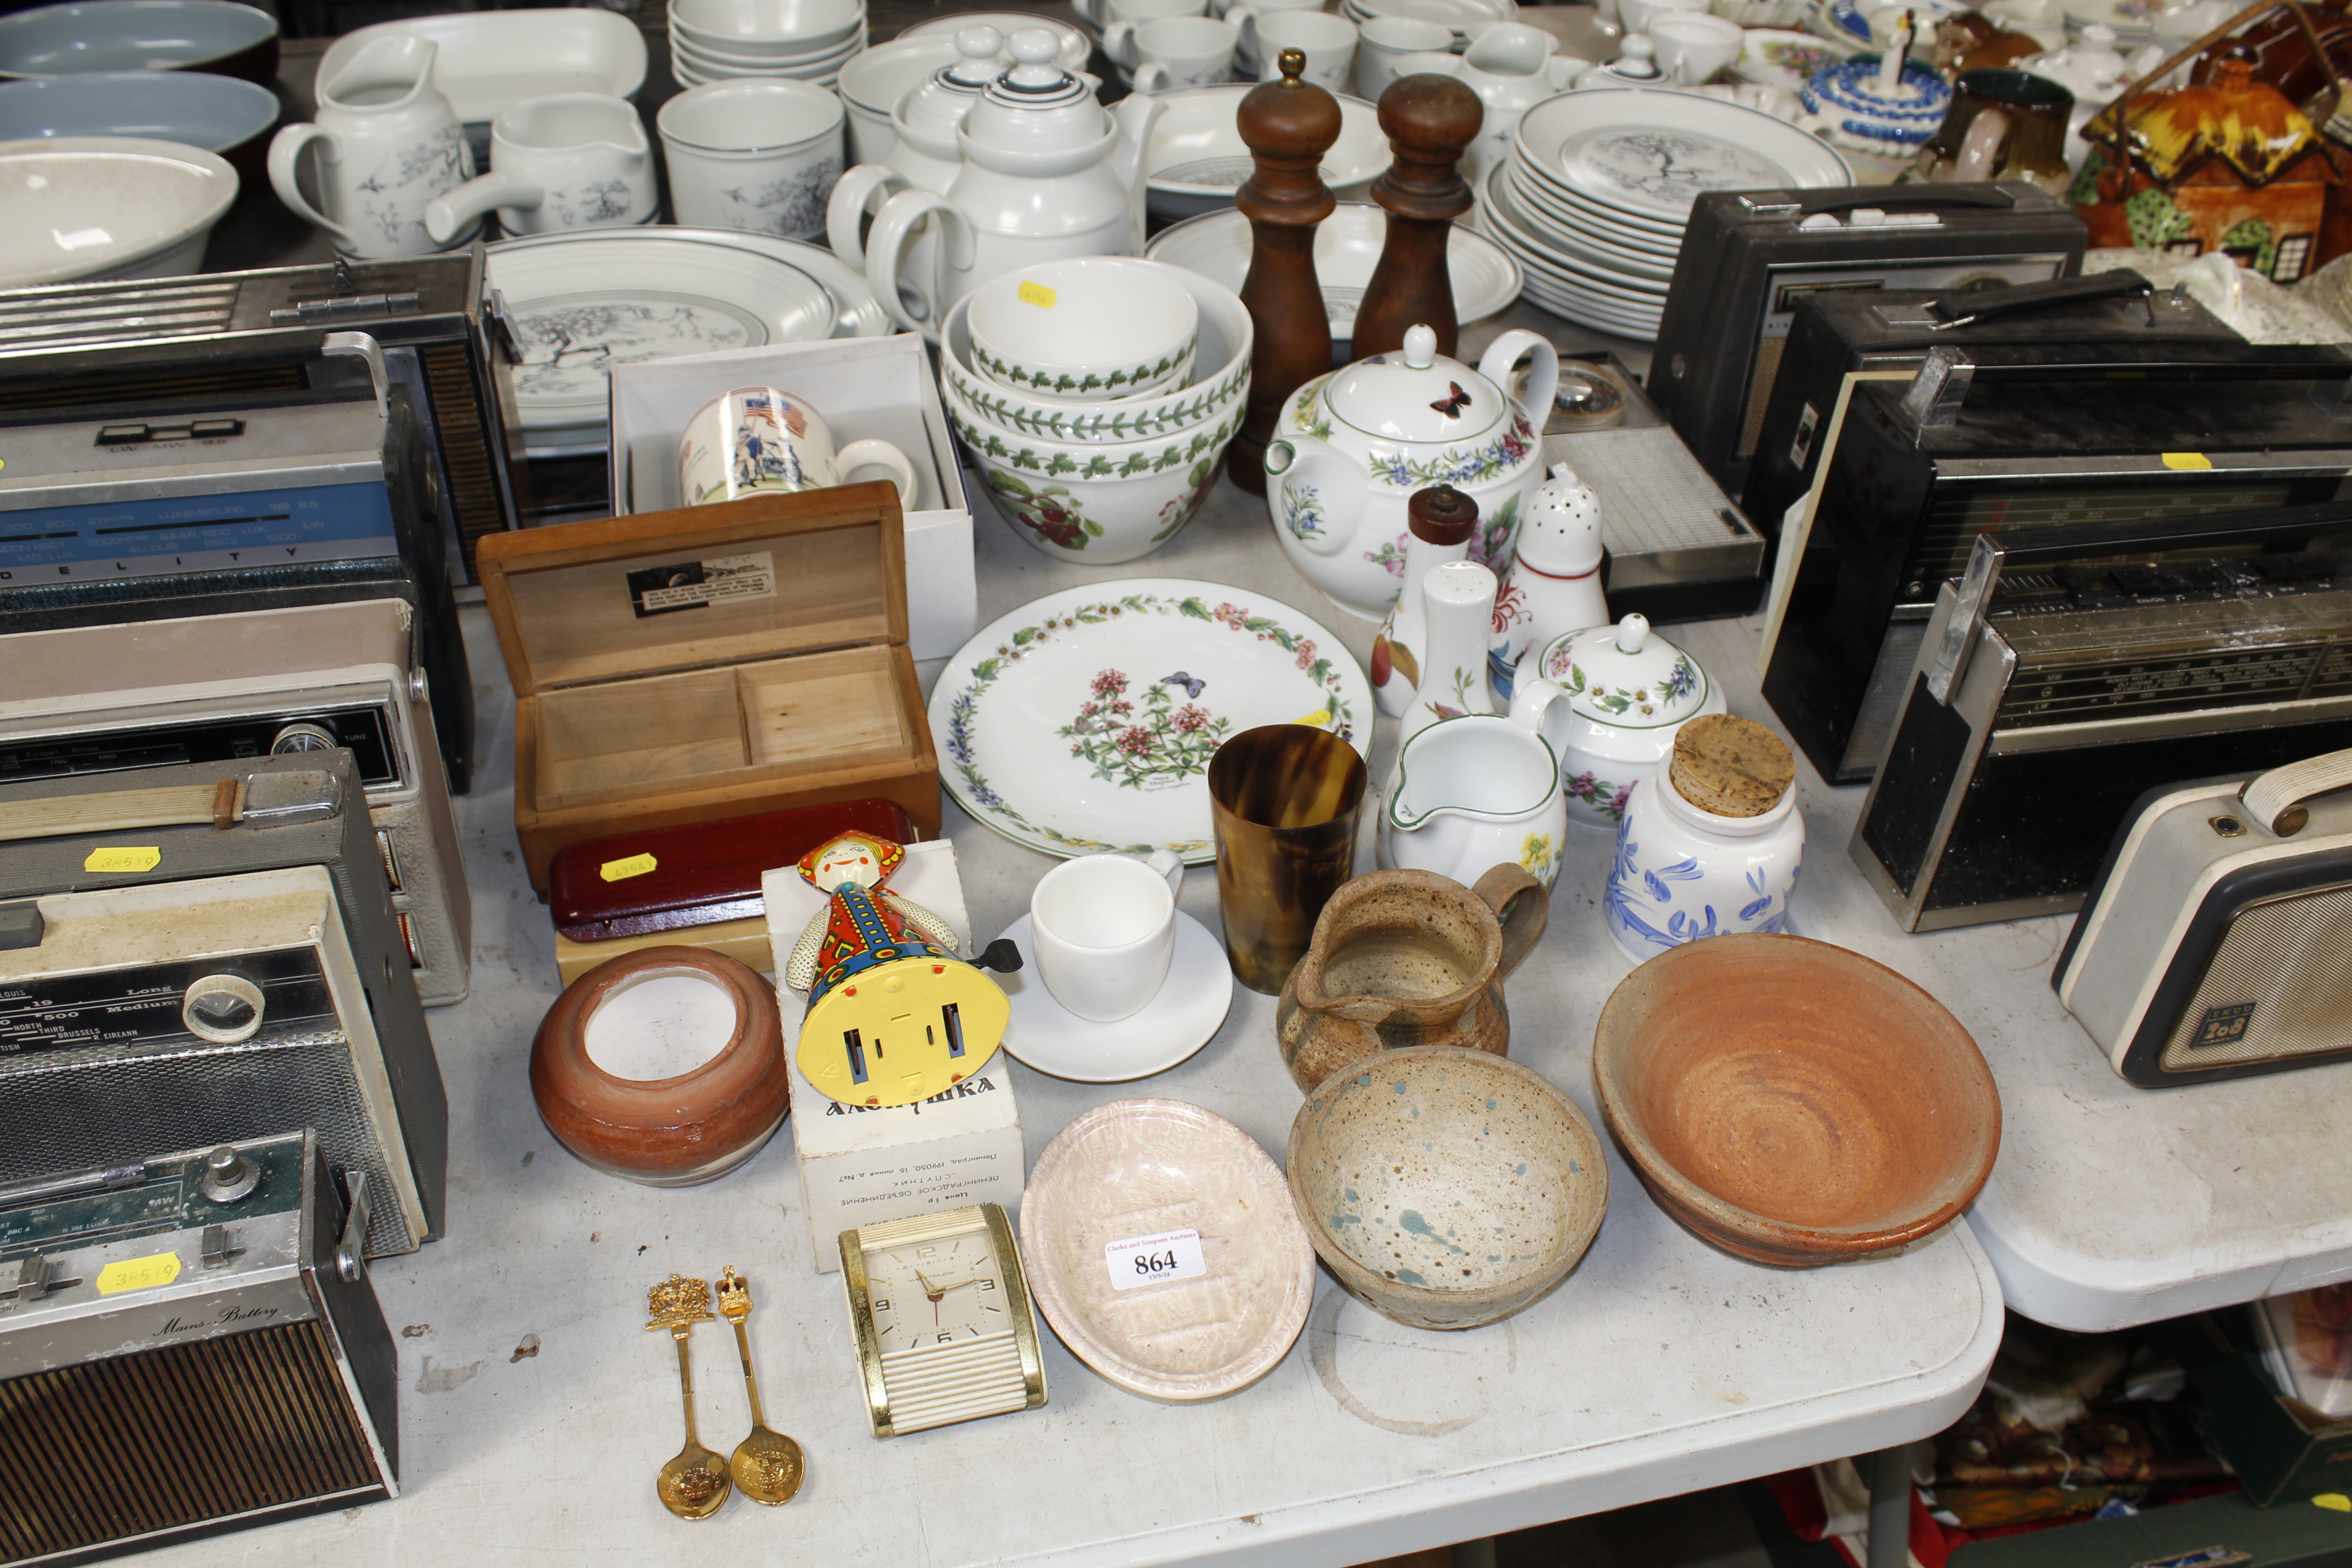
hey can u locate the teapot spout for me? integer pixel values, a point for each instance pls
(1308, 483)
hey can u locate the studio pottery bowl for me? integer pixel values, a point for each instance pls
(1445, 1187)
(1791, 1102)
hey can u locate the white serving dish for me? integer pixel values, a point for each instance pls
(84, 207)
(1216, 245)
(129, 34)
(875, 386)
(1196, 159)
(490, 60)
(214, 112)
(1779, 57)
(1167, 1167)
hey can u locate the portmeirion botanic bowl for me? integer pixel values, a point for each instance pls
(1630, 691)
(1084, 328)
(1351, 448)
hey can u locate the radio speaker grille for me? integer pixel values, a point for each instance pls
(2276, 989)
(164, 1439)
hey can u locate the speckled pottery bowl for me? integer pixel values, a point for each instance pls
(1446, 1187)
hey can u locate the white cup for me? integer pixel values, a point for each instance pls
(1329, 43)
(1239, 12)
(1381, 39)
(755, 438)
(758, 155)
(1694, 45)
(571, 160)
(1173, 51)
(1104, 13)
(1103, 927)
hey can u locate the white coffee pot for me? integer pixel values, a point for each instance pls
(1047, 171)
(388, 143)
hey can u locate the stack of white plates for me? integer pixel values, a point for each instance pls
(1599, 182)
(721, 40)
(1461, 15)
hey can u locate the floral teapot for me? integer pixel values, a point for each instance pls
(1350, 449)
(1047, 173)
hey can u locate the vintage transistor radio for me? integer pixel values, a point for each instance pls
(2217, 940)
(221, 960)
(122, 503)
(1749, 256)
(2047, 696)
(189, 1344)
(259, 683)
(2022, 438)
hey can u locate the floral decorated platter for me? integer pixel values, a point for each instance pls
(1085, 721)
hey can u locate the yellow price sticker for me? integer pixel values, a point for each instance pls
(139, 1273)
(2335, 1500)
(145, 858)
(1035, 294)
(622, 870)
(2187, 460)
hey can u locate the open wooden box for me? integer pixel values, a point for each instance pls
(674, 667)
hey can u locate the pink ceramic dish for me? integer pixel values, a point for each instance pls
(1209, 1322)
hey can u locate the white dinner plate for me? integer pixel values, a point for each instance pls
(1532, 243)
(1484, 277)
(1596, 246)
(487, 61)
(1085, 721)
(1652, 154)
(1196, 159)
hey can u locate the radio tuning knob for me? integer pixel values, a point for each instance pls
(302, 738)
(228, 1176)
(222, 1008)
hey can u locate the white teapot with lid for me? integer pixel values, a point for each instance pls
(1351, 448)
(924, 157)
(1629, 692)
(1046, 171)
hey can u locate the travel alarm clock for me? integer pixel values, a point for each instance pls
(940, 1311)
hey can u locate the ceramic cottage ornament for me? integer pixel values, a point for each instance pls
(894, 1014)
(1629, 691)
(1553, 586)
(1710, 844)
(1441, 521)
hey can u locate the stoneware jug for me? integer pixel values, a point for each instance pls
(1478, 791)
(572, 159)
(388, 144)
(1047, 173)
(923, 158)
(1351, 448)
(1553, 586)
(1407, 958)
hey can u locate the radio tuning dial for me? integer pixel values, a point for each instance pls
(228, 1176)
(302, 738)
(222, 1008)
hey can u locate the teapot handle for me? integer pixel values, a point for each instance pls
(1521, 905)
(284, 155)
(1503, 356)
(848, 203)
(886, 246)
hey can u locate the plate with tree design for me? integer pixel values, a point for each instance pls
(1085, 721)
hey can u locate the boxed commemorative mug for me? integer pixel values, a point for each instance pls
(879, 388)
(674, 667)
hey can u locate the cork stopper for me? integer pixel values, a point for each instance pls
(1732, 767)
(1441, 515)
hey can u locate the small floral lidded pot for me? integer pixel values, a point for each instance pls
(1630, 690)
(1711, 844)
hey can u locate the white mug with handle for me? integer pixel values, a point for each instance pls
(1172, 52)
(1103, 927)
(756, 439)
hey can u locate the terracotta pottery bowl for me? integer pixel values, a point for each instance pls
(1446, 1187)
(1791, 1102)
(665, 1065)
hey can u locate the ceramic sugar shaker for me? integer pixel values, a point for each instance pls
(1441, 522)
(1552, 585)
(1458, 605)
(1629, 690)
(1711, 844)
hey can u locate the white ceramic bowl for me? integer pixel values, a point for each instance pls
(214, 112)
(1087, 327)
(837, 52)
(214, 36)
(1348, 244)
(767, 27)
(489, 61)
(1222, 363)
(107, 206)
(760, 156)
(1196, 159)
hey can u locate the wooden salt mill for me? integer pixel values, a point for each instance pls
(1429, 121)
(1288, 125)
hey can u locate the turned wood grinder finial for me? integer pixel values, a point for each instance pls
(1429, 121)
(1440, 515)
(1288, 125)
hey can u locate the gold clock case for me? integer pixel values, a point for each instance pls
(985, 1219)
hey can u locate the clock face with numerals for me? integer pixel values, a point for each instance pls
(941, 1310)
(936, 1292)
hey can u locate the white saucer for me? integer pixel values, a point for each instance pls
(1182, 1018)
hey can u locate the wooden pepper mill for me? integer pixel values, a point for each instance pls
(1429, 121)
(1288, 125)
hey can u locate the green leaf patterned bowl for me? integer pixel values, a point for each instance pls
(1083, 329)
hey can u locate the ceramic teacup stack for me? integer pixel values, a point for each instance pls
(1097, 395)
(805, 40)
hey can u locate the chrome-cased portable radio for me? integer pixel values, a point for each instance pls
(159, 504)
(2049, 695)
(259, 683)
(2217, 940)
(205, 1319)
(221, 960)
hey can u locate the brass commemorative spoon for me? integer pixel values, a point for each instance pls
(767, 1464)
(693, 1484)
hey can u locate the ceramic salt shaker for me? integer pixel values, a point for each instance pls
(1441, 522)
(1458, 604)
(1553, 584)
(1710, 843)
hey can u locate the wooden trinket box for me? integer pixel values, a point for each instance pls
(674, 667)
